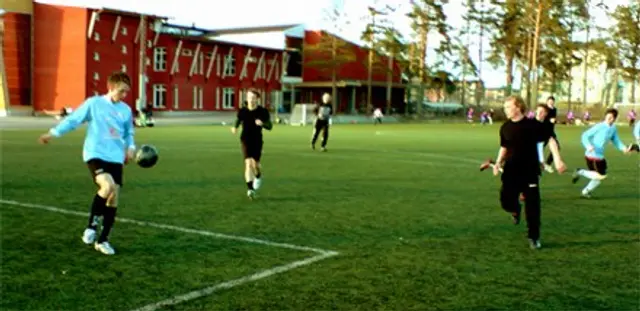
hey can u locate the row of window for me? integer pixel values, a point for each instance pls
(160, 62)
(159, 97)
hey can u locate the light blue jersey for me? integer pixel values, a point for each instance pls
(109, 129)
(636, 131)
(597, 137)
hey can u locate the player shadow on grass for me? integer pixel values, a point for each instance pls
(571, 244)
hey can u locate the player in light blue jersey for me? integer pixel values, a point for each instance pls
(594, 139)
(108, 145)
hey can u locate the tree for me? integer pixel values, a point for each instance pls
(626, 32)
(331, 52)
(427, 16)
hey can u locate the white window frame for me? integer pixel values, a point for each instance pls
(96, 56)
(124, 49)
(176, 97)
(228, 98)
(159, 96)
(123, 68)
(160, 59)
(123, 31)
(229, 65)
(96, 36)
(96, 76)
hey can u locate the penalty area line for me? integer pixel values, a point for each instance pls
(321, 255)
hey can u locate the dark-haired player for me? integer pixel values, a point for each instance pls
(518, 157)
(108, 145)
(323, 117)
(594, 139)
(551, 119)
(253, 118)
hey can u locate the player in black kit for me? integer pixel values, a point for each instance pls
(552, 114)
(323, 115)
(518, 158)
(253, 119)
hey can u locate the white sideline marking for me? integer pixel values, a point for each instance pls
(225, 285)
(175, 228)
(322, 254)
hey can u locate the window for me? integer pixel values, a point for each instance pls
(228, 98)
(95, 93)
(159, 95)
(123, 68)
(123, 31)
(96, 36)
(96, 76)
(229, 66)
(149, 44)
(176, 97)
(197, 97)
(96, 56)
(124, 49)
(160, 59)
(187, 52)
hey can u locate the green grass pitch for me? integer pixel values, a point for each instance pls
(416, 225)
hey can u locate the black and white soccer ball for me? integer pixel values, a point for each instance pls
(147, 156)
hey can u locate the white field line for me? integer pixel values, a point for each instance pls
(322, 254)
(375, 155)
(233, 283)
(175, 228)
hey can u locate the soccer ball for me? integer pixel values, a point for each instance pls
(147, 156)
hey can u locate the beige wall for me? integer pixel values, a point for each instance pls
(17, 6)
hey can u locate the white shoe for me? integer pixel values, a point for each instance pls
(89, 236)
(548, 168)
(257, 183)
(251, 194)
(105, 248)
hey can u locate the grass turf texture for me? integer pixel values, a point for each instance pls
(417, 226)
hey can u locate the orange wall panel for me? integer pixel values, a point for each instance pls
(17, 56)
(60, 56)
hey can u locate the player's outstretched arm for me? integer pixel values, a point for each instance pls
(70, 123)
(618, 143)
(239, 119)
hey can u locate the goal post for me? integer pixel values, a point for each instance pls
(302, 114)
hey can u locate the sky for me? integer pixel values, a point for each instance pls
(312, 13)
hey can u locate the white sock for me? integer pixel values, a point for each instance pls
(592, 185)
(588, 174)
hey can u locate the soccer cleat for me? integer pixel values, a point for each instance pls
(313, 147)
(586, 195)
(486, 164)
(324, 149)
(575, 176)
(535, 244)
(89, 236)
(257, 183)
(251, 194)
(634, 147)
(105, 248)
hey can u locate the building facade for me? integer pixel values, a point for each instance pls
(15, 53)
(173, 68)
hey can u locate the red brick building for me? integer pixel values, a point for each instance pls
(79, 47)
(183, 68)
(15, 27)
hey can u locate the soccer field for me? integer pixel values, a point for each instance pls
(393, 217)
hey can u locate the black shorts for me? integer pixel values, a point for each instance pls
(321, 124)
(252, 149)
(97, 167)
(598, 165)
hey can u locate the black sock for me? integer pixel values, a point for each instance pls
(250, 185)
(97, 209)
(258, 175)
(109, 220)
